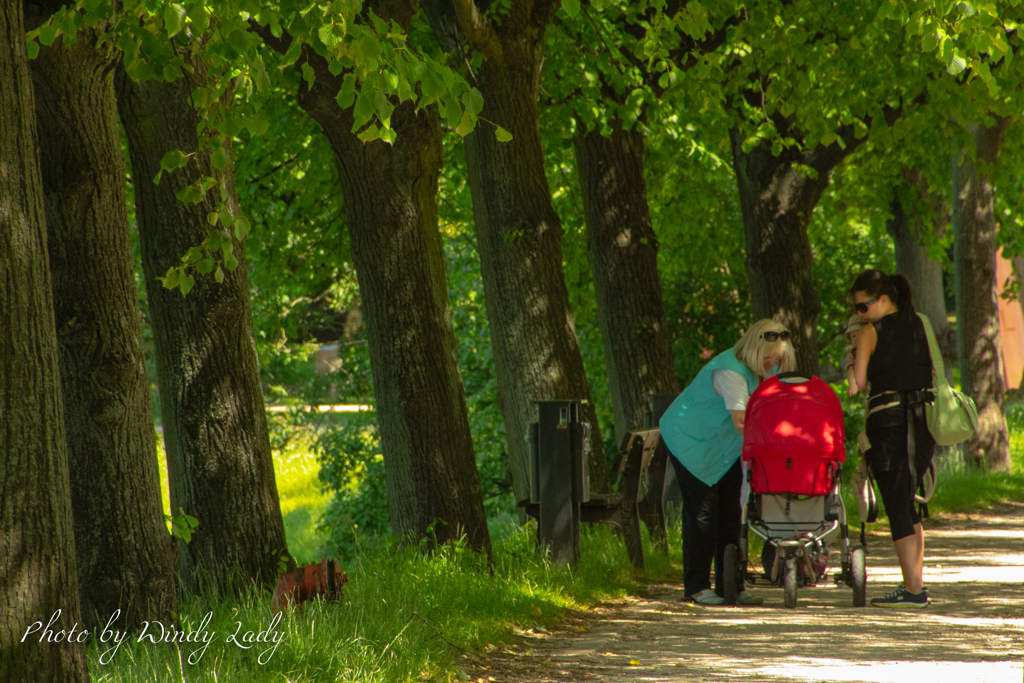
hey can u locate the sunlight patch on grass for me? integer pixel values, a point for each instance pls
(298, 488)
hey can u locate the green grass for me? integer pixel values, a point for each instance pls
(298, 488)
(963, 488)
(407, 614)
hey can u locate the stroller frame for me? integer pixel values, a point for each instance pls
(819, 514)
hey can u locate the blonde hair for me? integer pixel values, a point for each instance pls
(753, 347)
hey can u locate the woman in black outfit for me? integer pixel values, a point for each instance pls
(892, 354)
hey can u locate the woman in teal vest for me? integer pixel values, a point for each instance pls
(703, 429)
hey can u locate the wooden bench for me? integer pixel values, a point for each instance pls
(640, 469)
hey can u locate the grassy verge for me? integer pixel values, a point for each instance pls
(407, 613)
(963, 488)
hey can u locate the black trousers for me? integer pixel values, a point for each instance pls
(890, 463)
(711, 520)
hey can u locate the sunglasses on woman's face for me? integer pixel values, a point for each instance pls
(863, 306)
(775, 336)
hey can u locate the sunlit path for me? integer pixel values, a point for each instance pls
(973, 631)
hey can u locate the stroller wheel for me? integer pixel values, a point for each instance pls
(858, 577)
(791, 579)
(730, 574)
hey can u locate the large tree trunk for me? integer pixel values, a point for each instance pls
(977, 313)
(536, 352)
(623, 253)
(390, 193)
(37, 576)
(127, 566)
(777, 202)
(218, 450)
(925, 274)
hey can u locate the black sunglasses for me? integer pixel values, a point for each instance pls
(775, 336)
(863, 306)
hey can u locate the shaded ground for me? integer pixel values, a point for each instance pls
(972, 632)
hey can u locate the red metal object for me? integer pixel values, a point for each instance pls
(793, 437)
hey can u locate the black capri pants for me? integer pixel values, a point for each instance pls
(890, 463)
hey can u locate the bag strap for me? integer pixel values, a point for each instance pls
(938, 366)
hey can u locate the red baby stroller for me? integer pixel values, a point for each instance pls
(794, 447)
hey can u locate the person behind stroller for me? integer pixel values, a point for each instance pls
(892, 354)
(703, 429)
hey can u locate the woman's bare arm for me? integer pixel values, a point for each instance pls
(866, 341)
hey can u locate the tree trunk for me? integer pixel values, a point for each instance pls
(390, 195)
(218, 450)
(977, 314)
(623, 253)
(127, 566)
(925, 275)
(37, 576)
(536, 352)
(777, 202)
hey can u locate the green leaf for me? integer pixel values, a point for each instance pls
(307, 73)
(571, 7)
(502, 134)
(364, 109)
(230, 262)
(170, 280)
(219, 158)
(473, 101)
(370, 134)
(326, 34)
(173, 160)
(347, 94)
(369, 48)
(467, 124)
(293, 53)
(239, 40)
(218, 275)
(242, 227)
(257, 125)
(47, 34)
(187, 282)
(205, 266)
(174, 19)
(32, 47)
(957, 63)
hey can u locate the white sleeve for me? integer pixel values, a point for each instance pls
(731, 386)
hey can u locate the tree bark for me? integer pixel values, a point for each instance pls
(218, 450)
(912, 260)
(37, 576)
(127, 566)
(536, 352)
(777, 203)
(623, 252)
(390, 193)
(977, 314)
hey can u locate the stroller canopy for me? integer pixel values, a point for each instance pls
(794, 417)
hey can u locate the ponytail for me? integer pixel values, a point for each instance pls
(874, 283)
(904, 297)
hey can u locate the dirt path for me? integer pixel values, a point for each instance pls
(972, 632)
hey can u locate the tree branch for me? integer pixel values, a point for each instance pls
(478, 30)
(276, 44)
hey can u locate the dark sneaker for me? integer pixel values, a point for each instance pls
(901, 598)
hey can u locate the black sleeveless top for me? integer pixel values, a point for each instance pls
(901, 361)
